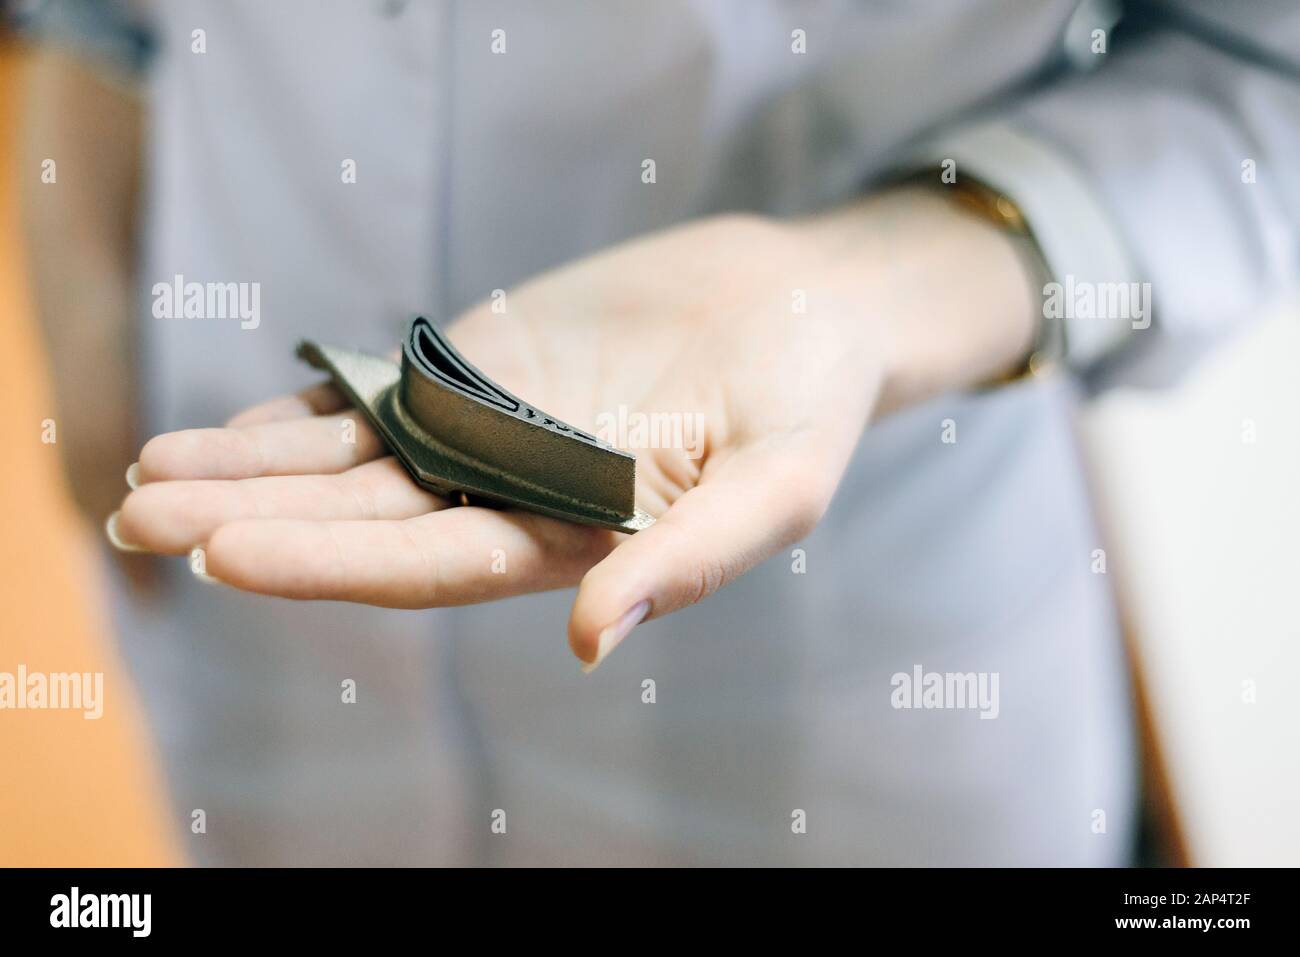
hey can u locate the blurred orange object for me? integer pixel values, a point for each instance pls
(74, 792)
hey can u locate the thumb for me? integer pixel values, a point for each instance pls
(745, 509)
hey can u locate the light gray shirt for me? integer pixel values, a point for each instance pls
(493, 140)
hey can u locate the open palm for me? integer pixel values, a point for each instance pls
(288, 500)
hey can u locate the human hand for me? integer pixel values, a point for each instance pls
(703, 321)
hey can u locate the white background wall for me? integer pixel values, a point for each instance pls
(1204, 543)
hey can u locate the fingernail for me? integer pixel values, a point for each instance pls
(199, 567)
(613, 634)
(115, 537)
(133, 476)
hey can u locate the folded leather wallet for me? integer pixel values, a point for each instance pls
(461, 435)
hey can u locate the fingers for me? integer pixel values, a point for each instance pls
(321, 399)
(173, 517)
(321, 444)
(755, 503)
(453, 557)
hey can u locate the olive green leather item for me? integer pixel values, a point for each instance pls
(461, 435)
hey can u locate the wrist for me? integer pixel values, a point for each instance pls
(937, 296)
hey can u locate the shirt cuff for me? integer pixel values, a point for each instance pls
(1080, 243)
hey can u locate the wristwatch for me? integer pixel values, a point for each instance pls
(982, 200)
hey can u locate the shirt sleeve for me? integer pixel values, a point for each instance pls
(114, 33)
(1170, 166)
